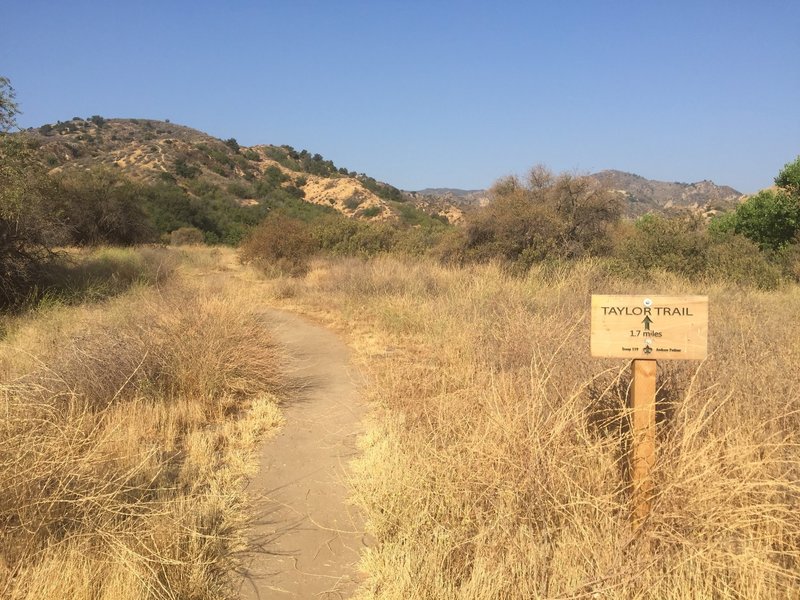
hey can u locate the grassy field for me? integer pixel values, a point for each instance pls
(132, 403)
(494, 463)
(494, 466)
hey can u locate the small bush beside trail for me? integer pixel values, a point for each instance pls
(280, 243)
(184, 236)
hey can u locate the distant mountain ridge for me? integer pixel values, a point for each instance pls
(643, 195)
(639, 194)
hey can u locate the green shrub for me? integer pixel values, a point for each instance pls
(353, 202)
(677, 244)
(788, 259)
(232, 144)
(184, 169)
(102, 207)
(240, 190)
(738, 259)
(371, 211)
(341, 236)
(29, 225)
(382, 190)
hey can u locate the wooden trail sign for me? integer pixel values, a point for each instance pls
(645, 328)
(654, 327)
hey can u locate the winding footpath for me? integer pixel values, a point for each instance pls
(308, 537)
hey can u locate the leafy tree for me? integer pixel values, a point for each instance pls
(28, 226)
(789, 178)
(770, 218)
(8, 108)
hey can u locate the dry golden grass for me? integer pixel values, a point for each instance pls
(128, 428)
(494, 466)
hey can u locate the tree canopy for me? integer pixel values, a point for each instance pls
(8, 108)
(770, 218)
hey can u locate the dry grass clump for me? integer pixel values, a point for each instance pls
(128, 428)
(496, 462)
(92, 274)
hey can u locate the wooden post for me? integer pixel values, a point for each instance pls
(643, 450)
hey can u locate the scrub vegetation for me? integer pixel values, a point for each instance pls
(128, 429)
(550, 220)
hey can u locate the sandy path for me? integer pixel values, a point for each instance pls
(310, 537)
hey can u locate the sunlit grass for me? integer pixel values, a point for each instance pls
(128, 429)
(495, 462)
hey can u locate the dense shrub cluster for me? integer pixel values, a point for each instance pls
(557, 218)
(285, 243)
(101, 207)
(28, 229)
(684, 245)
(755, 244)
(545, 217)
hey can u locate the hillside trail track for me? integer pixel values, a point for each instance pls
(308, 537)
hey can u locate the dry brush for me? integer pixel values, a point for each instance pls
(495, 463)
(127, 431)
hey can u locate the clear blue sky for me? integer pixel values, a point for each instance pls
(435, 93)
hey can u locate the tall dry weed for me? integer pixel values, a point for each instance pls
(495, 466)
(125, 439)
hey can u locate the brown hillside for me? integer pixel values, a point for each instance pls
(152, 151)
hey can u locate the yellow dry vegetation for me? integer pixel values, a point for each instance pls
(127, 430)
(495, 462)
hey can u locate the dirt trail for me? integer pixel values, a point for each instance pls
(310, 537)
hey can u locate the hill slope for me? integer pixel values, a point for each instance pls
(153, 152)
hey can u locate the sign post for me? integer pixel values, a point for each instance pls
(643, 447)
(644, 329)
